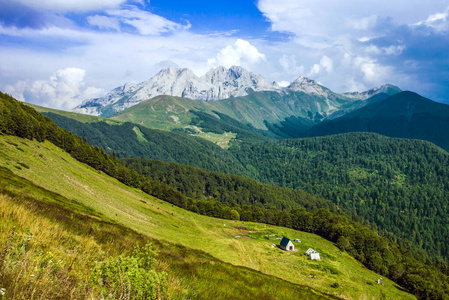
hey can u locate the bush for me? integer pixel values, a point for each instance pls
(131, 276)
(335, 285)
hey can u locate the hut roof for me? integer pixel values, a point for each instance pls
(284, 241)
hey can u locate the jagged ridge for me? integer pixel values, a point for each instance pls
(217, 84)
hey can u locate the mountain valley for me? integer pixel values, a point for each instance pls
(321, 185)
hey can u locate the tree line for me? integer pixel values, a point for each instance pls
(420, 277)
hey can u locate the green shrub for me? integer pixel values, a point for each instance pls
(132, 277)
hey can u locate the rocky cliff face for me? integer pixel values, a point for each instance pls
(219, 83)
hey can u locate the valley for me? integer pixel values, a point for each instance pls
(349, 176)
(51, 168)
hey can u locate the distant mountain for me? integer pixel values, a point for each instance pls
(404, 115)
(217, 84)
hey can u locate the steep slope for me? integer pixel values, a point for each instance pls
(260, 109)
(70, 219)
(131, 140)
(405, 115)
(176, 232)
(375, 252)
(399, 185)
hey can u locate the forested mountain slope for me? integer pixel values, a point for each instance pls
(227, 188)
(404, 115)
(131, 140)
(72, 185)
(398, 184)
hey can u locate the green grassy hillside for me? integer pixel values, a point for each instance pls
(398, 185)
(257, 109)
(75, 116)
(131, 140)
(425, 280)
(235, 242)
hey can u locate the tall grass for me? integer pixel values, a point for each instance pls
(35, 264)
(53, 252)
(42, 259)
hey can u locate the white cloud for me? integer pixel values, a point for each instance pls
(391, 50)
(104, 22)
(363, 23)
(372, 71)
(324, 67)
(240, 54)
(284, 83)
(438, 21)
(63, 90)
(327, 17)
(66, 5)
(145, 22)
(290, 66)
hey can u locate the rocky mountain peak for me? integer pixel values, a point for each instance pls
(306, 85)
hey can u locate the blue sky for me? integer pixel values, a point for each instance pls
(57, 53)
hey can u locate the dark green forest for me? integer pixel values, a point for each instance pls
(399, 185)
(226, 188)
(421, 277)
(131, 140)
(404, 115)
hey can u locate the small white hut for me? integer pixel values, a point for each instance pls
(286, 244)
(312, 254)
(310, 250)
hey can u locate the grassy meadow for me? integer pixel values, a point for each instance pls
(199, 253)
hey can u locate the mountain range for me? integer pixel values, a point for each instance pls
(218, 84)
(52, 173)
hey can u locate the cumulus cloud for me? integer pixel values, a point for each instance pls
(324, 67)
(369, 42)
(63, 90)
(290, 66)
(240, 54)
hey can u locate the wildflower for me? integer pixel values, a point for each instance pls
(2, 291)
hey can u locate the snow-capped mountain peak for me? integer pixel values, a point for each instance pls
(216, 84)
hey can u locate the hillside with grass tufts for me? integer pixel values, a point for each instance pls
(76, 177)
(66, 194)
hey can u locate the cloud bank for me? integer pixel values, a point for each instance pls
(62, 90)
(56, 52)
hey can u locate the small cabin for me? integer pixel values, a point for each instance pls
(312, 254)
(310, 250)
(286, 244)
